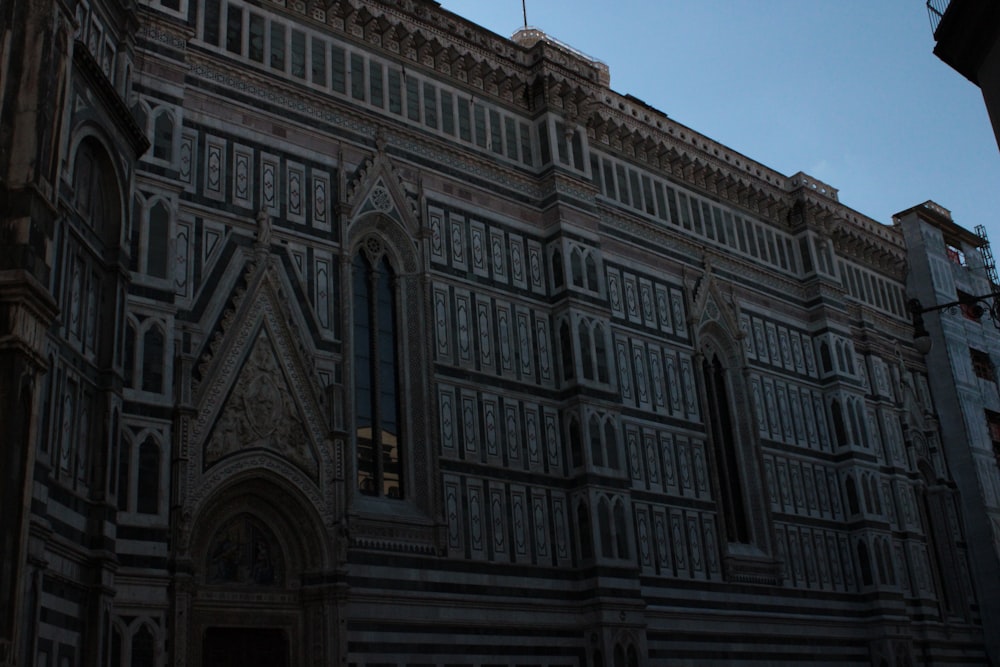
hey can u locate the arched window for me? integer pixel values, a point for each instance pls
(611, 442)
(890, 570)
(163, 136)
(147, 499)
(867, 492)
(380, 440)
(112, 462)
(557, 268)
(839, 431)
(124, 462)
(158, 241)
(727, 463)
(591, 266)
(566, 350)
(858, 425)
(576, 267)
(824, 357)
(583, 528)
(583, 332)
(66, 435)
(83, 444)
(143, 648)
(129, 354)
(601, 354)
(621, 530)
(575, 446)
(152, 360)
(596, 447)
(876, 501)
(852, 413)
(864, 562)
(880, 564)
(140, 110)
(619, 656)
(116, 647)
(852, 495)
(604, 526)
(633, 657)
(95, 193)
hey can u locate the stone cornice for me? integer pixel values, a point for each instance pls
(645, 136)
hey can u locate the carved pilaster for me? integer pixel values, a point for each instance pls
(26, 311)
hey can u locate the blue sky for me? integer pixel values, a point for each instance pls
(848, 91)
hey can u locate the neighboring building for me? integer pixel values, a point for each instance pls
(967, 33)
(949, 264)
(351, 333)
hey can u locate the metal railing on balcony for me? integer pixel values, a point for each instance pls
(935, 12)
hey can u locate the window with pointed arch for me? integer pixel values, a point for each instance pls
(146, 349)
(727, 462)
(139, 474)
(135, 646)
(378, 423)
(94, 190)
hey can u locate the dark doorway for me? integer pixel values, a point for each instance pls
(245, 647)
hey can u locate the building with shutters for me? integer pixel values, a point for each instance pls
(352, 333)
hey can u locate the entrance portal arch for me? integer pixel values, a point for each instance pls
(255, 587)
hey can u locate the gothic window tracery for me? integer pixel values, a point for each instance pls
(380, 440)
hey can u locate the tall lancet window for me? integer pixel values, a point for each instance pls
(376, 374)
(726, 459)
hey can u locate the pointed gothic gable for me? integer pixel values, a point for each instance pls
(378, 188)
(258, 393)
(711, 306)
(379, 200)
(261, 413)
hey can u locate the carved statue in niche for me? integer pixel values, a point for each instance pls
(244, 552)
(261, 413)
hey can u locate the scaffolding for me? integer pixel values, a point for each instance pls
(988, 262)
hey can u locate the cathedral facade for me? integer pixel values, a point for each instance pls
(351, 333)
